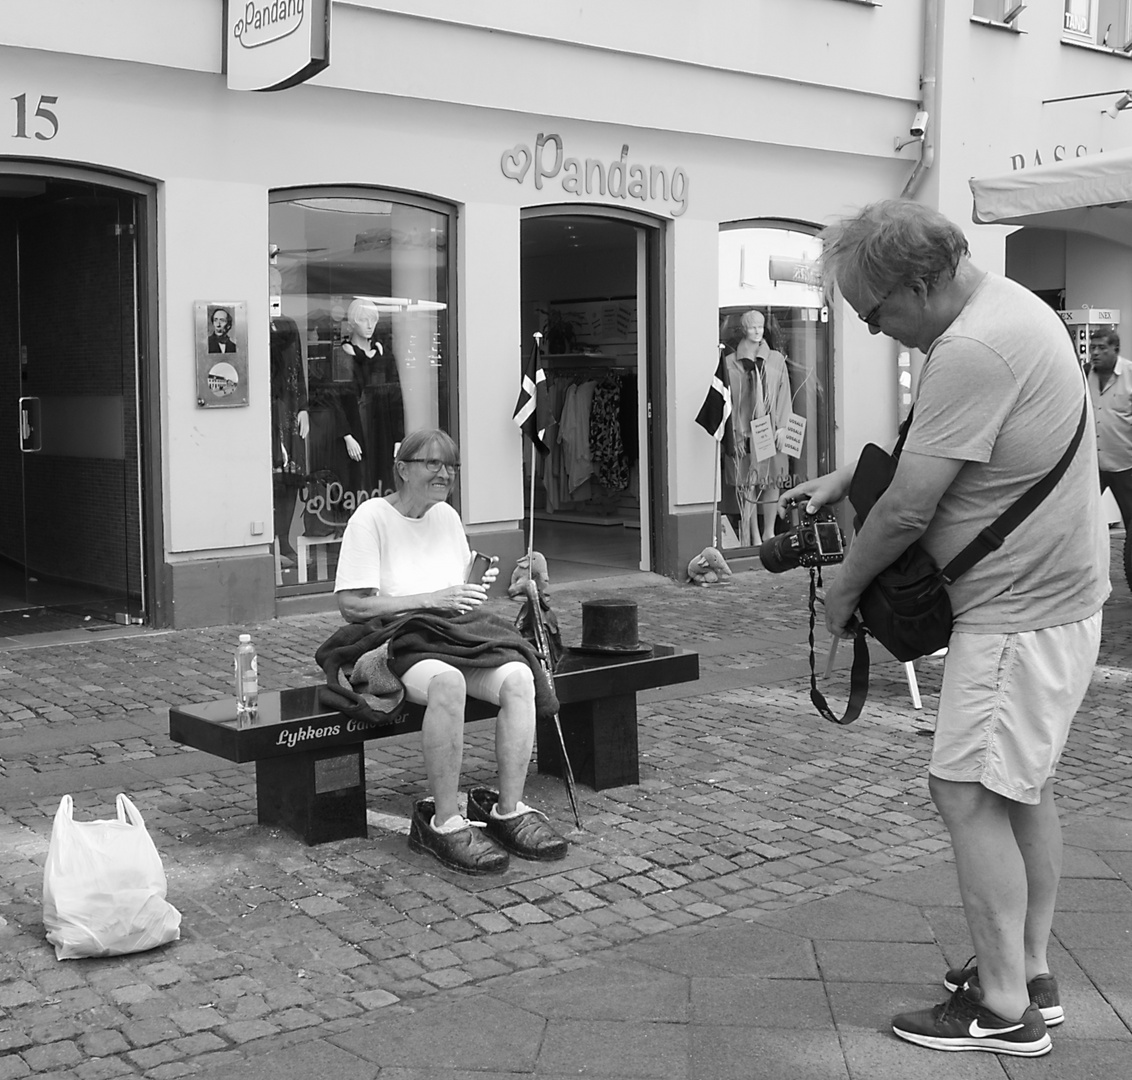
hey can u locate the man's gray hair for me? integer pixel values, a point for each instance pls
(889, 243)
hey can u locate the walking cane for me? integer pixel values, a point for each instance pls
(543, 643)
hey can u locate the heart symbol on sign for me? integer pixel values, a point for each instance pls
(515, 163)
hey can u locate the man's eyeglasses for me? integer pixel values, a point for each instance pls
(870, 316)
(434, 465)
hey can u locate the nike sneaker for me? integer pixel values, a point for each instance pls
(964, 1023)
(1042, 989)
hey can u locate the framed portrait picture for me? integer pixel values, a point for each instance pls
(221, 344)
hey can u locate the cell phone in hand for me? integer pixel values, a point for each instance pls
(479, 567)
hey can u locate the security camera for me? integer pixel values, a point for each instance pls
(919, 125)
(1120, 104)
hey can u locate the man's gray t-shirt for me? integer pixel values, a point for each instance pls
(1001, 390)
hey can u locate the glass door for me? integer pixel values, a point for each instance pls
(68, 349)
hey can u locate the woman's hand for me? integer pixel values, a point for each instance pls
(353, 447)
(459, 599)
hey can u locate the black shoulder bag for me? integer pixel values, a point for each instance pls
(906, 607)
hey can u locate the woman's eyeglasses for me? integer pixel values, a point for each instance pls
(434, 465)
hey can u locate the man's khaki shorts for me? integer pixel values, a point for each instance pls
(1006, 705)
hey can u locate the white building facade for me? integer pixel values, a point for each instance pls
(209, 288)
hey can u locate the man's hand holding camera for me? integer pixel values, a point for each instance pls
(812, 497)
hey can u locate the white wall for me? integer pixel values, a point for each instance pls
(217, 462)
(490, 353)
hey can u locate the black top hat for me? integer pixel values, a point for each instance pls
(609, 628)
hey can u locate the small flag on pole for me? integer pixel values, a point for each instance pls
(716, 409)
(532, 407)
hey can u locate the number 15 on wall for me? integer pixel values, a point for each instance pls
(44, 119)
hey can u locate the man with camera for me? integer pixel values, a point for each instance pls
(1000, 398)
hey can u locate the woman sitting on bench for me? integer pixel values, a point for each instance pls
(407, 552)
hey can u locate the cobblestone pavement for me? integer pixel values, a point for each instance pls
(750, 806)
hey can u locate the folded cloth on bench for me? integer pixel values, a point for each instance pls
(372, 679)
(474, 639)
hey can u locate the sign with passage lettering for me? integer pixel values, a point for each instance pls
(274, 44)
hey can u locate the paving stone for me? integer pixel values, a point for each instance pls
(749, 805)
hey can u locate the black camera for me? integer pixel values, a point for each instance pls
(811, 540)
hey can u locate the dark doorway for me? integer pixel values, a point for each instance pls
(585, 288)
(70, 541)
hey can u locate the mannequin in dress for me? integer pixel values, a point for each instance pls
(760, 386)
(290, 424)
(371, 413)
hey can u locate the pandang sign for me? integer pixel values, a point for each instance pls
(274, 44)
(617, 179)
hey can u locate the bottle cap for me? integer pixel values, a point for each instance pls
(245, 637)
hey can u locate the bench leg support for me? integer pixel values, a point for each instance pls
(319, 796)
(601, 739)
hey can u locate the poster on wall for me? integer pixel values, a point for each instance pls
(221, 343)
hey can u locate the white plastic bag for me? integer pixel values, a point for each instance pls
(104, 886)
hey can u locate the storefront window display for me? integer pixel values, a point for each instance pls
(359, 356)
(774, 338)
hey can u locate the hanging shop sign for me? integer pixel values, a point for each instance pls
(802, 271)
(274, 44)
(620, 178)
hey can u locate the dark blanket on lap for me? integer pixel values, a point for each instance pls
(475, 639)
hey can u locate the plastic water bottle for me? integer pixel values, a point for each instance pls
(247, 683)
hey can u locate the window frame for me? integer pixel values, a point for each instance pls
(1093, 38)
(1002, 20)
(451, 399)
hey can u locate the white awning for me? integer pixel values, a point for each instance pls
(1090, 195)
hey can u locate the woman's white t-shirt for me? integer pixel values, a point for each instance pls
(399, 556)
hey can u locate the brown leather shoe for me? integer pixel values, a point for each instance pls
(467, 850)
(529, 835)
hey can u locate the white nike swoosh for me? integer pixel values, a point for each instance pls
(980, 1032)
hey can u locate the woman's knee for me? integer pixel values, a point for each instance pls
(518, 689)
(448, 691)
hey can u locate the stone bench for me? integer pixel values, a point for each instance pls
(310, 766)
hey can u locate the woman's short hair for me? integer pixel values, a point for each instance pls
(889, 243)
(418, 443)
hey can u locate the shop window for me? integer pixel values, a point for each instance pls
(775, 342)
(360, 355)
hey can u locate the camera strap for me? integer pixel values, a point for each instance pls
(858, 673)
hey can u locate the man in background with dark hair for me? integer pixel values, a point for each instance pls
(1110, 386)
(1000, 399)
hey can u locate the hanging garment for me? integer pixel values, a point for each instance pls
(574, 433)
(606, 449)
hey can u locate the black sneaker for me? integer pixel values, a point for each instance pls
(1041, 988)
(964, 1023)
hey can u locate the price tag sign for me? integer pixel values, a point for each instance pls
(762, 438)
(795, 434)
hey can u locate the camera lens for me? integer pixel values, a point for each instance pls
(779, 554)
